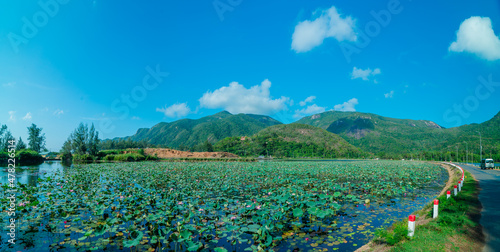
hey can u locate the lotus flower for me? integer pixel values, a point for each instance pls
(180, 203)
(233, 217)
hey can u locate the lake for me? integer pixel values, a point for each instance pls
(238, 185)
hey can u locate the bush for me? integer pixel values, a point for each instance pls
(28, 157)
(4, 156)
(85, 158)
(148, 157)
(109, 157)
(104, 153)
(129, 157)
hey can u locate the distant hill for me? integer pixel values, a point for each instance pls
(329, 134)
(189, 132)
(291, 140)
(388, 136)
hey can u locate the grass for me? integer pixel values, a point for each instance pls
(455, 229)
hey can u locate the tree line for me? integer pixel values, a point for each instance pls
(83, 140)
(36, 139)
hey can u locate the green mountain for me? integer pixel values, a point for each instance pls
(188, 132)
(291, 140)
(391, 137)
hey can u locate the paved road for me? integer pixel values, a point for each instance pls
(489, 181)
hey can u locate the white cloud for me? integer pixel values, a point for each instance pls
(476, 36)
(347, 106)
(364, 74)
(176, 110)
(310, 110)
(12, 116)
(307, 100)
(235, 98)
(58, 112)
(27, 117)
(389, 95)
(330, 24)
(135, 118)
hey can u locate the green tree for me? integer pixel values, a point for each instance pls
(80, 139)
(67, 147)
(3, 129)
(207, 146)
(93, 141)
(36, 139)
(5, 143)
(20, 145)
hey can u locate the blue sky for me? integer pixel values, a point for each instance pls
(124, 65)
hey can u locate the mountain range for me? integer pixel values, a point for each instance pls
(189, 132)
(351, 132)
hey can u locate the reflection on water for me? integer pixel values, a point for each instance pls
(31, 174)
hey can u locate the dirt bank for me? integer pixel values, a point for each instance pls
(169, 153)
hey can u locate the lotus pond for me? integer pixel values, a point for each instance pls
(218, 206)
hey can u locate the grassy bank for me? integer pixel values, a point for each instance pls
(455, 229)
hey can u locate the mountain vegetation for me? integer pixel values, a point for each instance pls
(404, 138)
(187, 133)
(290, 140)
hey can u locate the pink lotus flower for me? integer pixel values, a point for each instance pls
(121, 197)
(61, 186)
(234, 217)
(307, 239)
(248, 205)
(258, 207)
(57, 184)
(180, 203)
(65, 222)
(269, 193)
(70, 190)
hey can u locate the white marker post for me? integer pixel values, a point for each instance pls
(448, 194)
(460, 186)
(436, 204)
(455, 190)
(411, 225)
